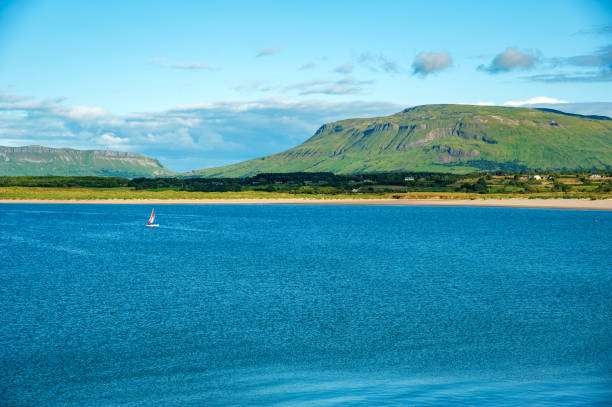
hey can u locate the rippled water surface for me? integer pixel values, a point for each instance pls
(304, 305)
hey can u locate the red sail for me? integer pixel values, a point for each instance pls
(152, 218)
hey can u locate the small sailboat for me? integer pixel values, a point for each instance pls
(151, 223)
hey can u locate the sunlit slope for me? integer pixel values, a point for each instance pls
(445, 138)
(37, 160)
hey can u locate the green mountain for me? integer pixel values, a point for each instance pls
(37, 160)
(445, 138)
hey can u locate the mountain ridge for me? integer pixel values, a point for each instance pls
(39, 160)
(586, 116)
(445, 138)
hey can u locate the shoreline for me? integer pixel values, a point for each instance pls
(600, 204)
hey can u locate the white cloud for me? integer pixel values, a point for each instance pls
(511, 59)
(188, 137)
(533, 101)
(109, 139)
(477, 103)
(86, 112)
(429, 62)
(516, 103)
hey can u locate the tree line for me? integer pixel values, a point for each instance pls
(325, 182)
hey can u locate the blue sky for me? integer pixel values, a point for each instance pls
(199, 84)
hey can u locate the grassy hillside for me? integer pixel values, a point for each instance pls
(37, 160)
(445, 138)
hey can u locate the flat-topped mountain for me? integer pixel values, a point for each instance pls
(38, 160)
(445, 138)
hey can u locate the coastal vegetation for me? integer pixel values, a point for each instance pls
(322, 185)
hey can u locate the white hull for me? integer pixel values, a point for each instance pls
(152, 226)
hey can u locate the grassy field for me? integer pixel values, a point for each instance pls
(27, 193)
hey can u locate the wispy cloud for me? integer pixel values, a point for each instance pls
(388, 66)
(304, 67)
(343, 86)
(598, 65)
(344, 68)
(430, 62)
(602, 29)
(307, 84)
(184, 138)
(601, 58)
(9, 98)
(509, 60)
(271, 50)
(332, 90)
(261, 86)
(195, 66)
(352, 81)
(376, 62)
(605, 75)
(346, 85)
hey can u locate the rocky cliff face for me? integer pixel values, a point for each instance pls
(39, 160)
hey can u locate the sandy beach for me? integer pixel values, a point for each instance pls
(602, 204)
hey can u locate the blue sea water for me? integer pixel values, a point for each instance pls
(304, 305)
